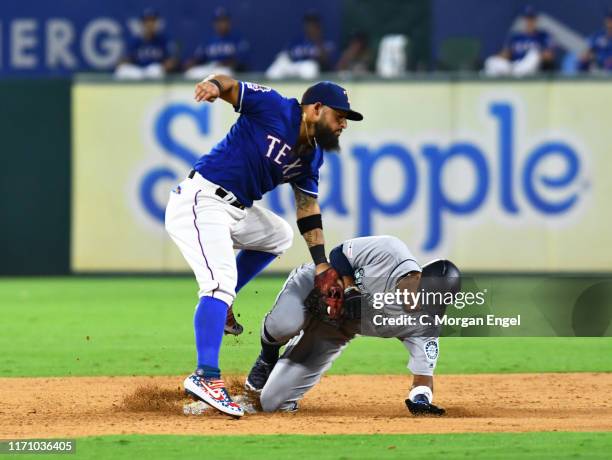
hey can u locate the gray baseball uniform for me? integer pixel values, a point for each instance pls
(313, 345)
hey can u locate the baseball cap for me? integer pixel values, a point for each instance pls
(221, 13)
(529, 12)
(312, 16)
(149, 13)
(332, 95)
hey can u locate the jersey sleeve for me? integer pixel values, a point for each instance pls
(258, 100)
(309, 183)
(387, 251)
(423, 352)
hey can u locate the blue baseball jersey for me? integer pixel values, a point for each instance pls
(600, 45)
(304, 49)
(144, 52)
(222, 48)
(519, 43)
(257, 153)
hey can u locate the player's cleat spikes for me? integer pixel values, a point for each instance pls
(213, 392)
(231, 325)
(258, 376)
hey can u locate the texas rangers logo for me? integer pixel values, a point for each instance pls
(256, 87)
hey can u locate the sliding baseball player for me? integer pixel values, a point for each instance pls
(315, 335)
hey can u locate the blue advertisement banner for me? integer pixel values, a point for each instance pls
(41, 38)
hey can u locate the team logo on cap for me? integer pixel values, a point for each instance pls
(346, 94)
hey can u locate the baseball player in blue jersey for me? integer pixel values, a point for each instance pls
(275, 140)
(598, 56)
(525, 52)
(150, 55)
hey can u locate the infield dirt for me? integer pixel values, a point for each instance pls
(355, 404)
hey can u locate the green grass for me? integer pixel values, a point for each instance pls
(143, 326)
(523, 446)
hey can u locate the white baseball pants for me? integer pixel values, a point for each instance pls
(207, 229)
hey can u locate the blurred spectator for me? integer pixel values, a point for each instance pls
(150, 55)
(599, 54)
(224, 53)
(524, 53)
(357, 56)
(307, 56)
(391, 60)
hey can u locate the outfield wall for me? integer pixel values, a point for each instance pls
(505, 176)
(34, 177)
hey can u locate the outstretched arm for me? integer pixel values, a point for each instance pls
(215, 86)
(308, 214)
(327, 280)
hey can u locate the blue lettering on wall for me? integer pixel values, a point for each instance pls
(440, 199)
(333, 177)
(571, 172)
(505, 115)
(368, 202)
(156, 210)
(439, 202)
(173, 148)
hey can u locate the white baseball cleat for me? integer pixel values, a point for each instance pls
(213, 392)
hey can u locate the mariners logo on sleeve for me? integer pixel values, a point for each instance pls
(431, 350)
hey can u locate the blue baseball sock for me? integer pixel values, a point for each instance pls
(208, 323)
(249, 263)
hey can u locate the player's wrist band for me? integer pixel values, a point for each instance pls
(318, 254)
(217, 83)
(308, 223)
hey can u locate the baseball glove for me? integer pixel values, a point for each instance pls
(422, 407)
(329, 287)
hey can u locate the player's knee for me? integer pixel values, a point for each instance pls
(278, 331)
(269, 401)
(284, 237)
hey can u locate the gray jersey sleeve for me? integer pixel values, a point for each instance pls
(382, 255)
(424, 353)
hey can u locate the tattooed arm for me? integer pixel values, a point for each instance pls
(308, 215)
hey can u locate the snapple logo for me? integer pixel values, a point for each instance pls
(508, 179)
(534, 182)
(172, 147)
(546, 191)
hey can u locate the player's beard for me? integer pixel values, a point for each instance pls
(325, 137)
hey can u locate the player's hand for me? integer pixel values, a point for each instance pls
(422, 407)
(328, 283)
(206, 91)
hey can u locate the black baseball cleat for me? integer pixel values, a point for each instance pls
(232, 326)
(258, 376)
